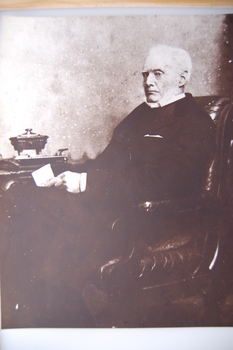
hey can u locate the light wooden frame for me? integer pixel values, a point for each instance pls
(33, 4)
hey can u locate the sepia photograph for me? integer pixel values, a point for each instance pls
(116, 171)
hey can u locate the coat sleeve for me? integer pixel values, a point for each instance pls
(175, 167)
(105, 172)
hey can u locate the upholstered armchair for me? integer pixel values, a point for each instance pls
(170, 283)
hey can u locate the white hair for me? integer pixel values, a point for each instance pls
(174, 57)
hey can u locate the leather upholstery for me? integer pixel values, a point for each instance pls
(221, 111)
(190, 255)
(167, 252)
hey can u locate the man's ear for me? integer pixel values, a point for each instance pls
(183, 79)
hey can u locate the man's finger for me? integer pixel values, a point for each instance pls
(59, 181)
(61, 176)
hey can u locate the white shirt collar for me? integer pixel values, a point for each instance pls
(163, 103)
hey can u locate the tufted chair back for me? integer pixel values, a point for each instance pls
(174, 272)
(221, 111)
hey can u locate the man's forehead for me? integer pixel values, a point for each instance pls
(158, 61)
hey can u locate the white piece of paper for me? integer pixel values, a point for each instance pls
(44, 177)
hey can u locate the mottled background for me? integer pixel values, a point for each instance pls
(75, 78)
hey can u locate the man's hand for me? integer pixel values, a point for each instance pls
(72, 182)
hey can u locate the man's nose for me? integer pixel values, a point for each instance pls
(150, 80)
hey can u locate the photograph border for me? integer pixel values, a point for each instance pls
(164, 338)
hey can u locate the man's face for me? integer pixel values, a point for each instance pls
(161, 81)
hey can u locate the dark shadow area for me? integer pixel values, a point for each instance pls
(73, 261)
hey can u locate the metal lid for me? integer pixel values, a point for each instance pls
(29, 134)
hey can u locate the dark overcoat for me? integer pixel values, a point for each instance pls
(155, 154)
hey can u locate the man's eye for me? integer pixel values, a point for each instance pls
(158, 73)
(145, 74)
